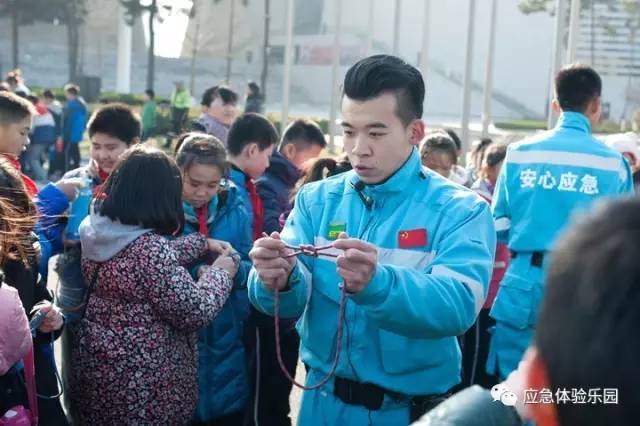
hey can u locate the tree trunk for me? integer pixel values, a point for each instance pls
(73, 42)
(194, 54)
(151, 53)
(265, 48)
(230, 41)
(14, 36)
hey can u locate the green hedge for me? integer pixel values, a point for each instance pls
(531, 125)
(108, 96)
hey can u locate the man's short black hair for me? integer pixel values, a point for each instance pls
(225, 93)
(303, 133)
(439, 141)
(577, 85)
(48, 94)
(116, 120)
(379, 74)
(150, 93)
(14, 109)
(145, 189)
(251, 128)
(587, 326)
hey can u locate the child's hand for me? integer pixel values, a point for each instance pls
(70, 187)
(54, 319)
(228, 264)
(222, 248)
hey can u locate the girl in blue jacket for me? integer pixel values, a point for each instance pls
(213, 207)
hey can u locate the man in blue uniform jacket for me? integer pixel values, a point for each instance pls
(543, 182)
(415, 253)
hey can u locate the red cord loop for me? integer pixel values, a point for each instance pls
(313, 251)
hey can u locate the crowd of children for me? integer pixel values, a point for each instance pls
(164, 299)
(221, 210)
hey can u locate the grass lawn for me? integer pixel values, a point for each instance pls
(529, 125)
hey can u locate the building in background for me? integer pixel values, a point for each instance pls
(522, 55)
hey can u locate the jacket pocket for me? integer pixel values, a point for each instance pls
(514, 302)
(402, 355)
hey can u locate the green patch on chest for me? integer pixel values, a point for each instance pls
(335, 229)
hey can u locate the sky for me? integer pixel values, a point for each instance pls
(171, 31)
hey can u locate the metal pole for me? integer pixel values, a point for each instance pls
(334, 77)
(468, 69)
(424, 52)
(288, 60)
(230, 40)
(265, 48)
(488, 77)
(556, 61)
(123, 73)
(369, 48)
(396, 28)
(574, 31)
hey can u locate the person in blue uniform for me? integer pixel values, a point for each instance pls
(414, 251)
(545, 180)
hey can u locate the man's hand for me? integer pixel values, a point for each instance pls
(268, 259)
(220, 247)
(357, 264)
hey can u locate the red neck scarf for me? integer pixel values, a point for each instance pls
(201, 214)
(102, 175)
(258, 209)
(97, 191)
(30, 185)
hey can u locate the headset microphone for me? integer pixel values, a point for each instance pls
(359, 188)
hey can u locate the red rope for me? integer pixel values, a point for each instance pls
(310, 250)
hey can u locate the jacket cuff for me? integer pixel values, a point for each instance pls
(378, 288)
(52, 200)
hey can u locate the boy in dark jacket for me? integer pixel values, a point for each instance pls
(302, 141)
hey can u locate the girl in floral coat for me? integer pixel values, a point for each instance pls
(134, 357)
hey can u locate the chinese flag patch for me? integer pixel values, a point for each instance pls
(412, 238)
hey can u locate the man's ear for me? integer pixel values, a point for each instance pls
(595, 107)
(417, 129)
(555, 105)
(538, 379)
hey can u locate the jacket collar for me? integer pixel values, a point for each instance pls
(574, 120)
(284, 169)
(225, 200)
(191, 216)
(237, 176)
